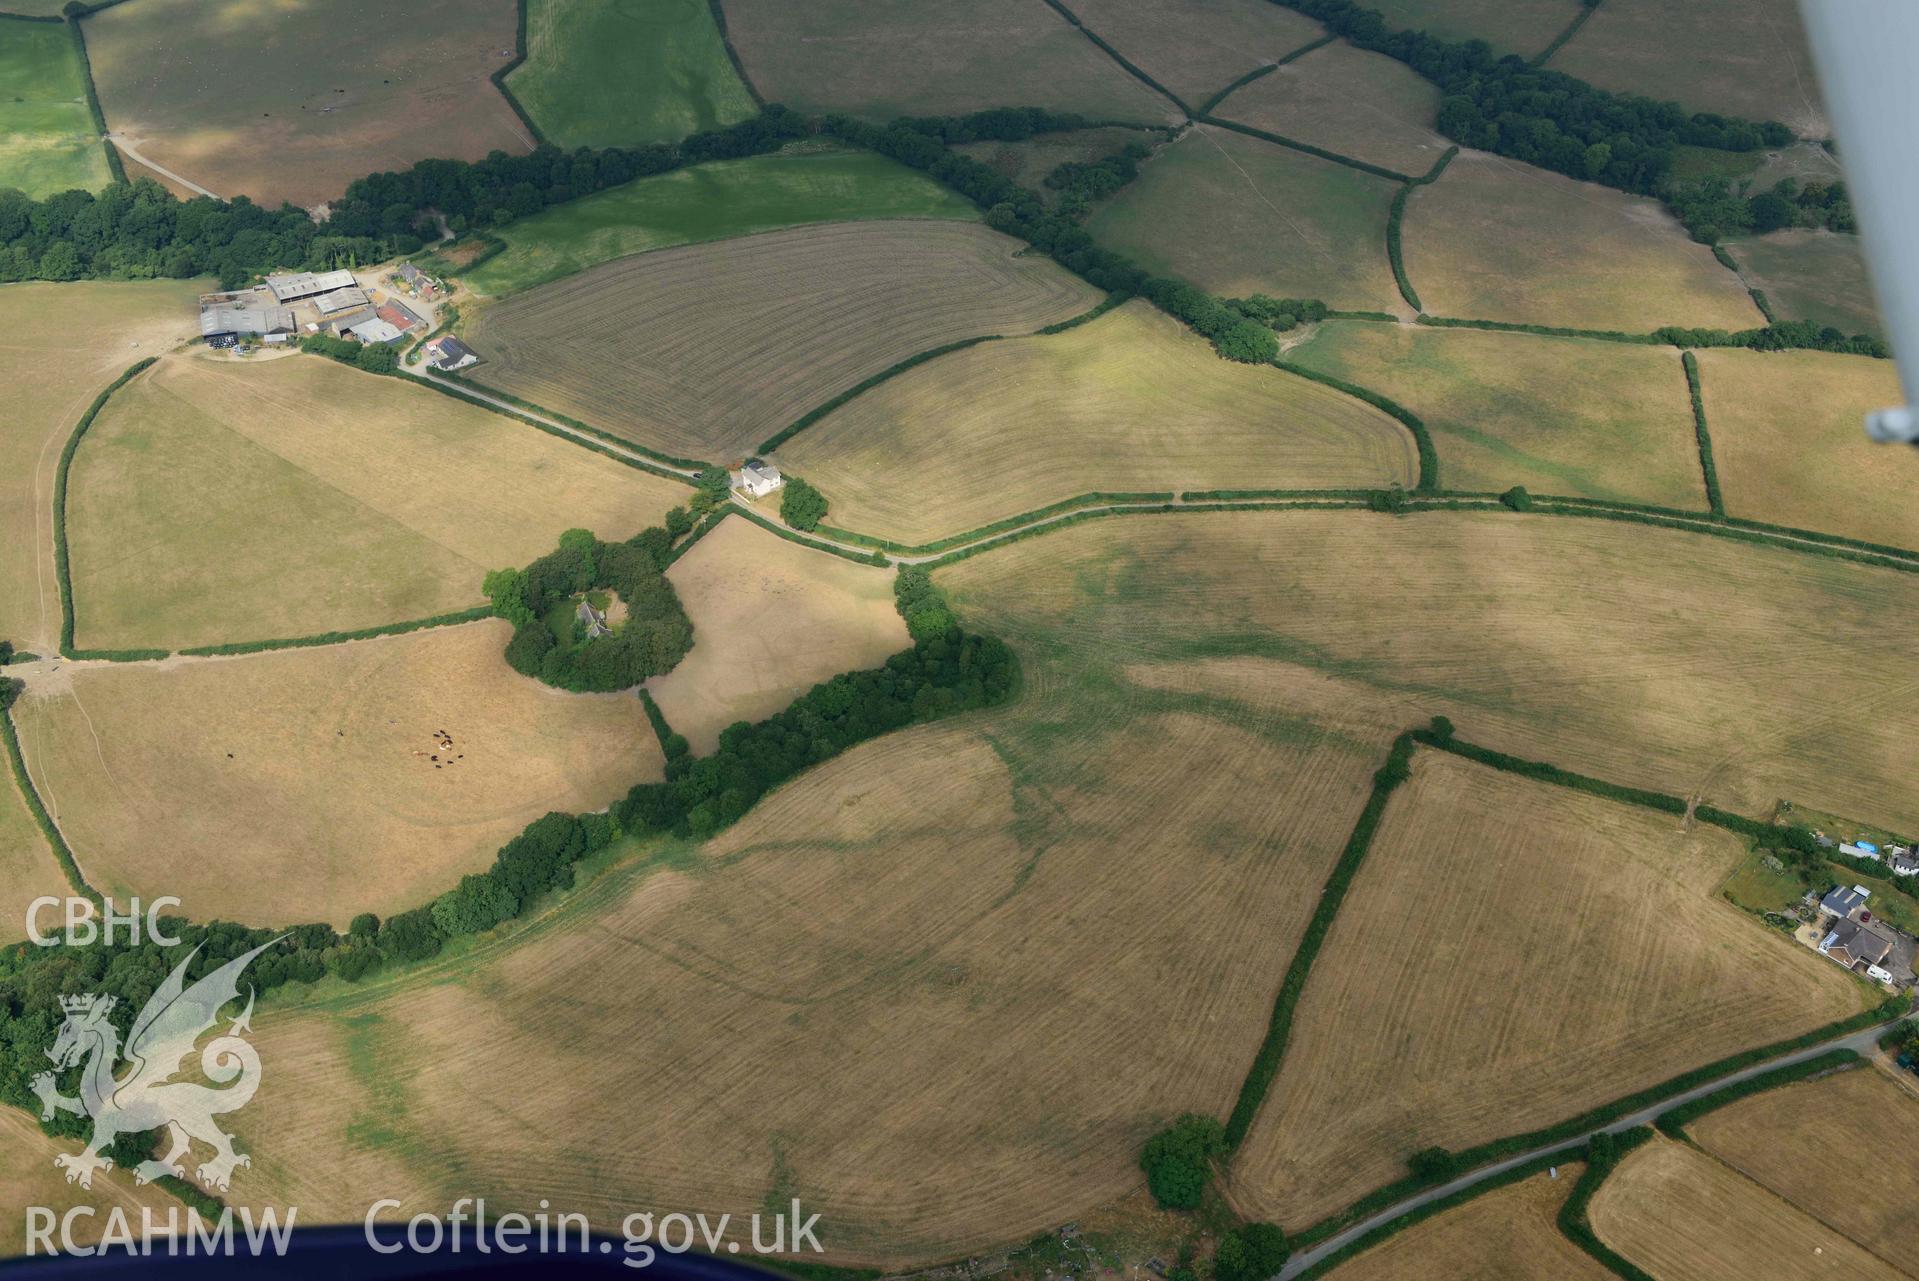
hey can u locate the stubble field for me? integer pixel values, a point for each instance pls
(771, 620)
(704, 351)
(1130, 402)
(313, 792)
(1558, 415)
(1679, 1214)
(28, 1177)
(1804, 1143)
(1510, 954)
(1198, 47)
(48, 142)
(27, 866)
(1346, 100)
(215, 501)
(294, 100)
(1508, 1235)
(1497, 240)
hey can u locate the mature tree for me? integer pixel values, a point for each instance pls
(801, 505)
(1178, 1160)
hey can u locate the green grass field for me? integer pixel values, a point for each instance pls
(47, 139)
(610, 73)
(1811, 275)
(711, 202)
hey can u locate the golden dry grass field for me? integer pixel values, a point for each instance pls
(1198, 47)
(1736, 57)
(216, 500)
(1497, 240)
(62, 345)
(771, 619)
(941, 988)
(1236, 215)
(1650, 657)
(295, 99)
(1812, 275)
(1683, 1216)
(1346, 100)
(1805, 1143)
(1558, 415)
(1028, 161)
(706, 350)
(1789, 442)
(880, 59)
(298, 785)
(1511, 954)
(1131, 402)
(29, 1177)
(1508, 1235)
(27, 866)
(1510, 26)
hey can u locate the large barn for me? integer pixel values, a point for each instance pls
(305, 284)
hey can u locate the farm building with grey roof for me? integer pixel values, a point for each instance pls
(306, 284)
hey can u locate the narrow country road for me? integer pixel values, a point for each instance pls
(1865, 1043)
(132, 153)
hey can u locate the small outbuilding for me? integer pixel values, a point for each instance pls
(1843, 903)
(757, 479)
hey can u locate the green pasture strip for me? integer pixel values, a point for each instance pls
(1673, 1124)
(1714, 499)
(473, 615)
(447, 385)
(1125, 63)
(9, 690)
(1378, 171)
(1572, 1220)
(62, 564)
(998, 526)
(813, 415)
(1265, 1066)
(500, 73)
(1422, 438)
(1544, 56)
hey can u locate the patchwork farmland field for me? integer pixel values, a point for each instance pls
(1649, 657)
(28, 868)
(1028, 161)
(215, 501)
(1508, 1235)
(880, 59)
(229, 94)
(314, 792)
(1803, 1142)
(1736, 57)
(714, 201)
(1558, 415)
(1545, 951)
(1198, 47)
(1812, 275)
(617, 73)
(61, 346)
(29, 1177)
(1238, 216)
(48, 142)
(1510, 26)
(1359, 104)
(1678, 1213)
(1497, 240)
(880, 919)
(1789, 442)
(704, 351)
(771, 620)
(1127, 403)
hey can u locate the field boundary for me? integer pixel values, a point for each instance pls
(1125, 63)
(1377, 171)
(318, 639)
(1586, 10)
(1572, 1220)
(1715, 500)
(116, 168)
(733, 54)
(1397, 215)
(698, 532)
(794, 536)
(17, 761)
(472, 392)
(499, 74)
(1673, 1123)
(818, 412)
(1000, 526)
(62, 557)
(1266, 70)
(1422, 438)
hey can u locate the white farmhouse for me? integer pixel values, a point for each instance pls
(757, 479)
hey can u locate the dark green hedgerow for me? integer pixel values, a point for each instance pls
(1422, 438)
(447, 387)
(1540, 771)
(998, 526)
(9, 692)
(792, 536)
(1737, 531)
(1764, 304)
(444, 380)
(1259, 1077)
(813, 415)
(336, 638)
(1714, 499)
(506, 69)
(1099, 513)
(115, 167)
(733, 54)
(1377, 171)
(1545, 55)
(1257, 72)
(705, 527)
(1105, 305)
(62, 566)
(1398, 215)
(1673, 1123)
(1125, 63)
(672, 745)
(1550, 331)
(1602, 1158)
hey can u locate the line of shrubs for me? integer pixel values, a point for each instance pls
(10, 690)
(1422, 438)
(1603, 1155)
(62, 564)
(1338, 158)
(1714, 500)
(1782, 335)
(1673, 1122)
(335, 638)
(818, 412)
(1004, 523)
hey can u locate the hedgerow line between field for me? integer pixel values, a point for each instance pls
(1571, 29)
(1125, 64)
(732, 52)
(1257, 72)
(1714, 498)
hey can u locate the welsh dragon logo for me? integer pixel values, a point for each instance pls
(147, 1098)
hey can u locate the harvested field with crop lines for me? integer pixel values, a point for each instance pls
(704, 351)
(28, 1177)
(1511, 954)
(48, 141)
(231, 94)
(1735, 57)
(1511, 26)
(951, 906)
(27, 866)
(1198, 47)
(312, 771)
(879, 59)
(805, 183)
(1649, 657)
(1804, 1143)
(1498, 240)
(1508, 1235)
(1683, 1216)
(216, 501)
(1812, 275)
(771, 619)
(61, 346)
(1346, 100)
(1789, 442)
(1558, 415)
(1130, 402)
(1237, 216)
